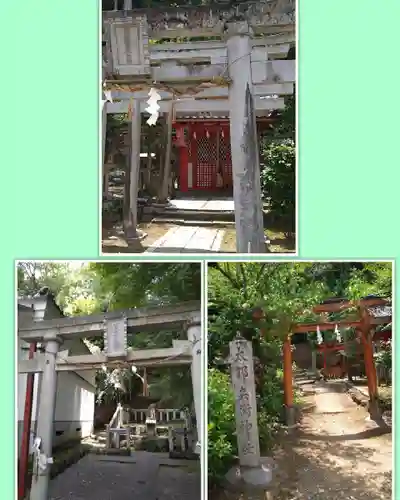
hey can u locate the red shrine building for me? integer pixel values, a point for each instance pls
(204, 152)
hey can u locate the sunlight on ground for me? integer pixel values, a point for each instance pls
(114, 240)
(279, 243)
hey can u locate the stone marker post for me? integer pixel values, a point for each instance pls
(252, 473)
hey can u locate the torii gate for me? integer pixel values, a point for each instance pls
(115, 327)
(363, 325)
(246, 81)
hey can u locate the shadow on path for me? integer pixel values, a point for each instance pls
(144, 476)
(336, 453)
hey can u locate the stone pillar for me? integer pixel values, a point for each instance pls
(194, 335)
(127, 4)
(167, 165)
(103, 147)
(252, 473)
(244, 143)
(130, 216)
(45, 424)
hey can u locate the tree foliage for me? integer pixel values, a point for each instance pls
(278, 167)
(278, 180)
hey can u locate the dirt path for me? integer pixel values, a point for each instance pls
(336, 453)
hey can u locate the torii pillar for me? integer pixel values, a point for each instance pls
(132, 233)
(45, 421)
(288, 382)
(244, 142)
(370, 368)
(194, 336)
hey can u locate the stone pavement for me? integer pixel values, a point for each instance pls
(188, 239)
(143, 476)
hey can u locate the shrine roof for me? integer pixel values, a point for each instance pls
(380, 311)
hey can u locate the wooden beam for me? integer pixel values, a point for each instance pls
(330, 325)
(347, 304)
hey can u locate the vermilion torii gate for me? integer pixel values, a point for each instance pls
(115, 327)
(364, 323)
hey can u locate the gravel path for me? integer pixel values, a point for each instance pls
(144, 476)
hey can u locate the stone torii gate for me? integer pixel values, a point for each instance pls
(115, 327)
(246, 81)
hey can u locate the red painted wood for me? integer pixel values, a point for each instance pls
(26, 432)
(203, 155)
(183, 169)
(287, 372)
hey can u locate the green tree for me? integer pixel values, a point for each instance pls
(278, 167)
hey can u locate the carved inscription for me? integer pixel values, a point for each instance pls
(246, 407)
(116, 337)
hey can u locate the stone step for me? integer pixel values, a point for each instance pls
(183, 222)
(194, 215)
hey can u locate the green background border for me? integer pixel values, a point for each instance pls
(348, 136)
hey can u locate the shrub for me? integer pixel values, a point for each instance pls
(222, 444)
(222, 440)
(278, 183)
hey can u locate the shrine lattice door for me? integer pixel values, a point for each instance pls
(209, 155)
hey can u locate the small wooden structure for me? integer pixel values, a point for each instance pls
(329, 370)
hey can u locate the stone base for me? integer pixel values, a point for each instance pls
(161, 204)
(374, 410)
(183, 455)
(250, 479)
(134, 236)
(290, 414)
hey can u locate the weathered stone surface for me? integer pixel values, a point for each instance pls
(242, 373)
(171, 22)
(250, 478)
